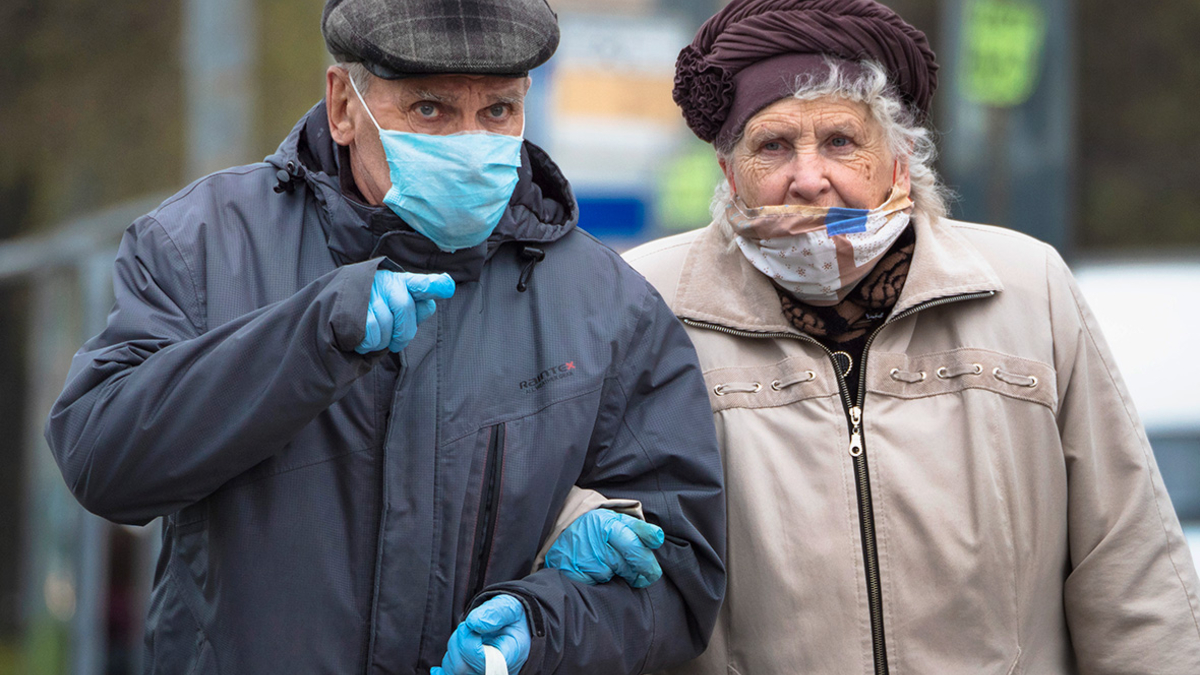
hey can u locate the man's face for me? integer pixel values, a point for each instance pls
(437, 105)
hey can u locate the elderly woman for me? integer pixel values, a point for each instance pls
(932, 465)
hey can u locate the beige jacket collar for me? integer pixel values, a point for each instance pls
(718, 285)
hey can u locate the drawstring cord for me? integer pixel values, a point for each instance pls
(382, 239)
(531, 254)
(534, 256)
(287, 177)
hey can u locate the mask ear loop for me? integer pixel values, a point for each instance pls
(895, 177)
(524, 112)
(363, 102)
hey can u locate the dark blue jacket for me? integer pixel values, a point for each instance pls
(328, 512)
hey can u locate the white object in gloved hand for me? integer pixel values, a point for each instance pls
(500, 623)
(495, 661)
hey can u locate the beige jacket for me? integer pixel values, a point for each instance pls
(1018, 519)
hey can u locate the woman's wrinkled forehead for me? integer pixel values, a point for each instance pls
(794, 118)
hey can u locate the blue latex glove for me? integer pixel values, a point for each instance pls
(603, 543)
(499, 622)
(400, 301)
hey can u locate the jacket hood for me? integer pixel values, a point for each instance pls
(542, 209)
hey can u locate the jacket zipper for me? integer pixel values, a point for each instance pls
(858, 454)
(488, 505)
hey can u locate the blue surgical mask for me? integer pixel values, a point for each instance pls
(452, 189)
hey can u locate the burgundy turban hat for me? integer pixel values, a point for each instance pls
(747, 56)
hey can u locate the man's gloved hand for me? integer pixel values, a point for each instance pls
(603, 543)
(499, 622)
(399, 302)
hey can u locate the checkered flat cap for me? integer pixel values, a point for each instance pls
(402, 38)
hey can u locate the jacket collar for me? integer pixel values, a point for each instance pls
(718, 285)
(543, 208)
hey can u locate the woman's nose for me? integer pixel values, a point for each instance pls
(809, 180)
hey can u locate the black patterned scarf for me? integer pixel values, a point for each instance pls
(844, 327)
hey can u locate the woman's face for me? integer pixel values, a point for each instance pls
(827, 152)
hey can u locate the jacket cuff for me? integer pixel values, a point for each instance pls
(579, 502)
(349, 317)
(533, 615)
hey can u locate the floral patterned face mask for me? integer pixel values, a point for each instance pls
(819, 253)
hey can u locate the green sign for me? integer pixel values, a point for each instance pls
(686, 188)
(1005, 40)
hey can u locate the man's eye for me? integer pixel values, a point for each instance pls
(427, 110)
(772, 146)
(498, 111)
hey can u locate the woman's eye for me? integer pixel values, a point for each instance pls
(840, 142)
(772, 146)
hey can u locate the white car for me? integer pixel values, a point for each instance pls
(1148, 311)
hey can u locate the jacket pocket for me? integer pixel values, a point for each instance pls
(960, 370)
(502, 507)
(489, 506)
(949, 436)
(174, 643)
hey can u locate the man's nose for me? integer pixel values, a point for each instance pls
(809, 179)
(466, 125)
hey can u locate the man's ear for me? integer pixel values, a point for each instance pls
(337, 105)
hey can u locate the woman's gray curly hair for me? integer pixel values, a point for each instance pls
(907, 138)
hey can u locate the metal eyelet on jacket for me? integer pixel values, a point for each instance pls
(1028, 381)
(907, 377)
(737, 388)
(780, 385)
(945, 373)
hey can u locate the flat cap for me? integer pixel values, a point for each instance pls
(402, 38)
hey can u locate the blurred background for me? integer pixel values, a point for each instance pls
(1072, 121)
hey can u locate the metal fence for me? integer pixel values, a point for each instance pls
(70, 605)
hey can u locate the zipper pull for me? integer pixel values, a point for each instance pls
(856, 447)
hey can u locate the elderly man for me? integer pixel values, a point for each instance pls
(343, 491)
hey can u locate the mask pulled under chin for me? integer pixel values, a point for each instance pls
(452, 189)
(816, 253)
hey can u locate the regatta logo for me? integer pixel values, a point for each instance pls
(547, 376)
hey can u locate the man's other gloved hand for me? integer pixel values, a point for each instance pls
(499, 622)
(400, 301)
(603, 543)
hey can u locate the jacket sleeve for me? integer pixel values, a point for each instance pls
(653, 442)
(158, 412)
(1131, 594)
(578, 503)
